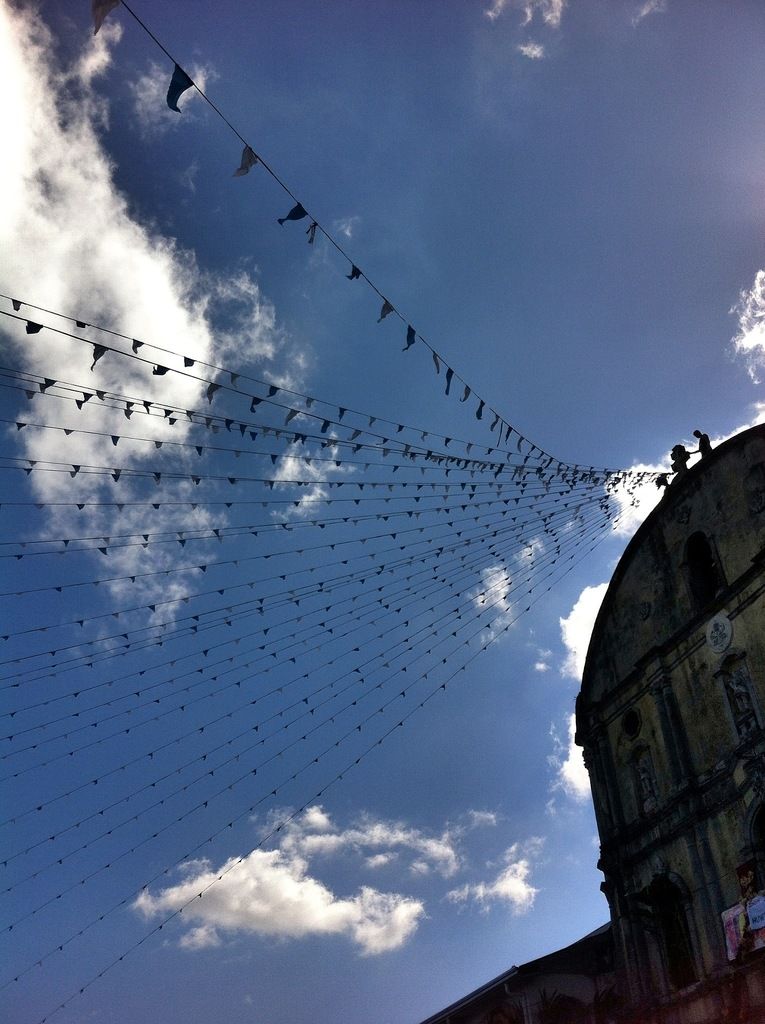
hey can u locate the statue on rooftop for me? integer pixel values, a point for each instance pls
(680, 456)
(705, 445)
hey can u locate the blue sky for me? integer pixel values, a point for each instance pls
(566, 199)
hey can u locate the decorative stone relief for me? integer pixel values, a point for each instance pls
(737, 688)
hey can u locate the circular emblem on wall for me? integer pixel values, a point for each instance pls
(719, 633)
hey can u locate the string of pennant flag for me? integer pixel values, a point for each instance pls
(356, 727)
(168, 698)
(334, 430)
(307, 707)
(262, 660)
(180, 82)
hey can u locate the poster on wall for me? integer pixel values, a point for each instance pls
(744, 927)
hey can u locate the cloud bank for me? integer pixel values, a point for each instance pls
(511, 886)
(749, 340)
(277, 892)
(84, 252)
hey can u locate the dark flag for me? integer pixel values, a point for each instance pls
(179, 83)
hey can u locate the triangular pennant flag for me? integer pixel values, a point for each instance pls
(386, 309)
(136, 345)
(100, 9)
(410, 338)
(311, 232)
(296, 213)
(188, 361)
(479, 410)
(249, 159)
(179, 83)
(33, 328)
(211, 391)
(16, 304)
(98, 352)
(436, 362)
(81, 324)
(354, 274)
(466, 395)
(449, 375)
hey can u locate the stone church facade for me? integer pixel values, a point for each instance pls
(671, 719)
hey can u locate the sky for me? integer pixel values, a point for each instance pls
(564, 197)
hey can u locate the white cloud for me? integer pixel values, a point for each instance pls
(635, 504)
(481, 819)
(749, 340)
(313, 834)
(576, 628)
(647, 8)
(493, 595)
(511, 886)
(571, 775)
(316, 819)
(346, 226)
(188, 177)
(379, 860)
(271, 893)
(534, 51)
(149, 95)
(541, 666)
(497, 7)
(299, 467)
(106, 267)
(278, 892)
(550, 10)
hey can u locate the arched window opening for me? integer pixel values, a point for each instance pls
(704, 576)
(669, 914)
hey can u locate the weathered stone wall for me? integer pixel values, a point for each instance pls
(672, 725)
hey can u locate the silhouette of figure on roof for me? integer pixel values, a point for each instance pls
(705, 445)
(680, 456)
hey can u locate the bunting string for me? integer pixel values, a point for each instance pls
(159, 705)
(388, 654)
(349, 766)
(134, 405)
(514, 530)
